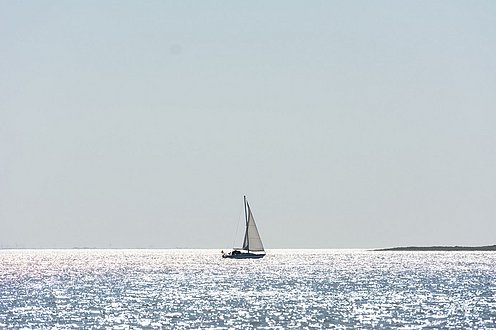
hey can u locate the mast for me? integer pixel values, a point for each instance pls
(246, 225)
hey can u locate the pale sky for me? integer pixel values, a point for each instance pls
(348, 124)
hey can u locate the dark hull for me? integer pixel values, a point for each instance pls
(245, 255)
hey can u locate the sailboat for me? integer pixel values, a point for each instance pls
(252, 244)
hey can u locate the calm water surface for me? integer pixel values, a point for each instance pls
(183, 289)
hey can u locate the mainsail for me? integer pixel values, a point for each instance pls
(252, 241)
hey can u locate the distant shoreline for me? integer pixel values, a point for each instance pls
(440, 248)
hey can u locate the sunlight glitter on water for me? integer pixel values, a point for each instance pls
(287, 289)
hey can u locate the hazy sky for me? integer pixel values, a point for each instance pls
(348, 124)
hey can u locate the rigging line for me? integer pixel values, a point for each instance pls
(237, 227)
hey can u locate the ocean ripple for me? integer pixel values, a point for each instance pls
(184, 289)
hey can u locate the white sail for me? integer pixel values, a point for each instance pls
(252, 241)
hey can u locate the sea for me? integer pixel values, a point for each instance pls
(288, 289)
